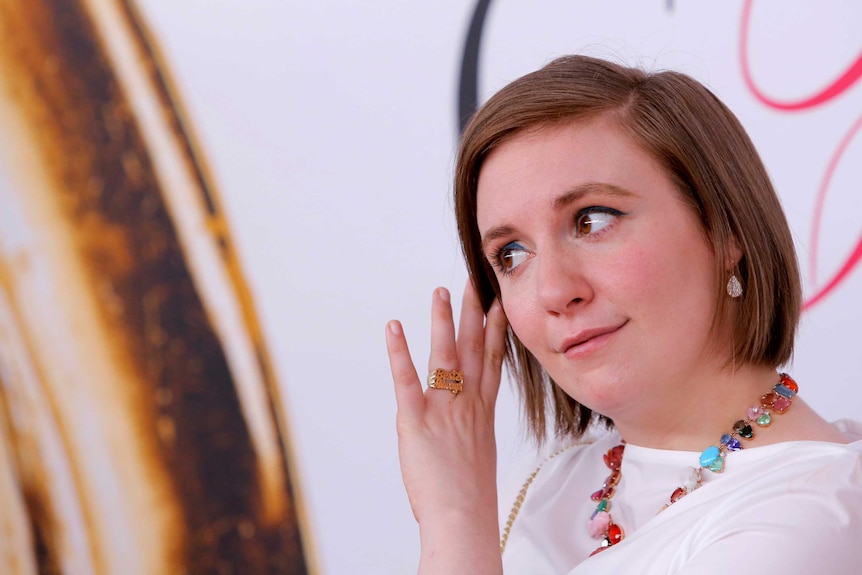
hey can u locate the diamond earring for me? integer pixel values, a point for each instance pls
(734, 288)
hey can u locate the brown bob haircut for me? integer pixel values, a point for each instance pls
(703, 148)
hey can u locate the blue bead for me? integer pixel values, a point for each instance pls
(725, 439)
(709, 455)
(783, 391)
(734, 445)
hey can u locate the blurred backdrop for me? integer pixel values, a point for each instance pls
(210, 208)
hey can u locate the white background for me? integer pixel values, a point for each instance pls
(330, 130)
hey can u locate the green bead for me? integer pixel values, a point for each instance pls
(603, 505)
(717, 465)
(764, 420)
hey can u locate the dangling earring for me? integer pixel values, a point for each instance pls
(734, 288)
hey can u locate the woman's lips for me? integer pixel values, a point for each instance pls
(588, 341)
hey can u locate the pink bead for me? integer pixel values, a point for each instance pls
(780, 404)
(599, 524)
(597, 495)
(754, 412)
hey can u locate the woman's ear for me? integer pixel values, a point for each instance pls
(734, 255)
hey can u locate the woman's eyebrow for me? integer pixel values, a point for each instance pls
(494, 233)
(576, 193)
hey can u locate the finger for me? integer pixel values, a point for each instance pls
(496, 327)
(444, 354)
(471, 335)
(408, 388)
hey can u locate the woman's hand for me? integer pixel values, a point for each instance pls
(446, 442)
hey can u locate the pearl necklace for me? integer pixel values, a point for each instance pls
(601, 524)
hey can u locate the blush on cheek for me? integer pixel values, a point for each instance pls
(528, 326)
(639, 275)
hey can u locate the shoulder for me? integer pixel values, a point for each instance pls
(800, 502)
(780, 474)
(791, 507)
(852, 431)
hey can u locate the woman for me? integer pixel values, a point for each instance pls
(624, 229)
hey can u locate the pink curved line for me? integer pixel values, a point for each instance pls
(848, 266)
(831, 91)
(820, 200)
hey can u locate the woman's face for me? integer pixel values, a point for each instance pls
(606, 275)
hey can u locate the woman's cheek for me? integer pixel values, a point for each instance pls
(639, 275)
(524, 321)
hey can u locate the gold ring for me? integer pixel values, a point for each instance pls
(450, 380)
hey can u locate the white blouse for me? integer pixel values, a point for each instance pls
(789, 508)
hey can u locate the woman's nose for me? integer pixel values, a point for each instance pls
(561, 284)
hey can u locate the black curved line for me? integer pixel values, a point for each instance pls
(468, 86)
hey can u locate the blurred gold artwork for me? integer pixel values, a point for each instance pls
(141, 428)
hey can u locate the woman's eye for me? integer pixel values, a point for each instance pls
(510, 257)
(592, 220)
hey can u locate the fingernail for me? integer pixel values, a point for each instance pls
(394, 327)
(443, 293)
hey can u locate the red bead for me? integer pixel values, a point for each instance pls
(614, 477)
(788, 382)
(677, 494)
(615, 533)
(614, 456)
(766, 400)
(598, 495)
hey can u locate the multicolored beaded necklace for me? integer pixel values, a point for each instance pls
(601, 525)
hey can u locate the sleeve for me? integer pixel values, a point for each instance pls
(812, 525)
